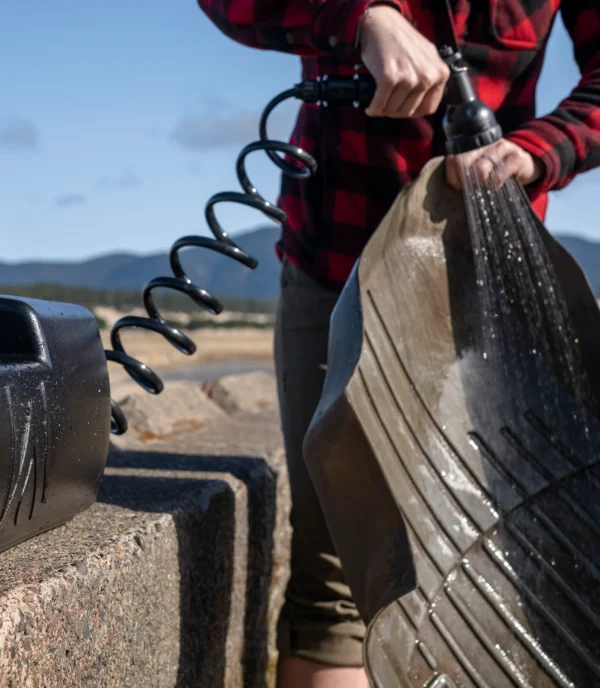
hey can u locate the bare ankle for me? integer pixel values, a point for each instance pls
(294, 672)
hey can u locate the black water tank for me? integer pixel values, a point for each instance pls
(54, 415)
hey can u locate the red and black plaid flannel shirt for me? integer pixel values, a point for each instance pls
(364, 162)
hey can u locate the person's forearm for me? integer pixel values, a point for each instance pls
(567, 141)
(304, 27)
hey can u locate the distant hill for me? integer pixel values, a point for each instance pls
(127, 271)
(219, 275)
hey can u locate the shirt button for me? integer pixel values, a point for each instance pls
(333, 41)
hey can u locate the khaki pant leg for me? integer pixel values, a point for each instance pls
(319, 620)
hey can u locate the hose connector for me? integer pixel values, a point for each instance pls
(337, 90)
(468, 122)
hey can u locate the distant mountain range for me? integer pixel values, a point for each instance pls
(220, 275)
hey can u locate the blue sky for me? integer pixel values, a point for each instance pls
(92, 99)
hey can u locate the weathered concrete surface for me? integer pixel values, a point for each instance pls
(249, 393)
(174, 578)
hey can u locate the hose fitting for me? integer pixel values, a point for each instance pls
(339, 90)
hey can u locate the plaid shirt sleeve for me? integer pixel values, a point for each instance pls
(568, 139)
(308, 28)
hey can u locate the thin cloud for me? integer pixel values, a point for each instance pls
(208, 132)
(205, 132)
(18, 134)
(127, 179)
(69, 200)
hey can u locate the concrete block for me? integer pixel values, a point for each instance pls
(174, 578)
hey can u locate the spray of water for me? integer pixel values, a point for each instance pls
(516, 278)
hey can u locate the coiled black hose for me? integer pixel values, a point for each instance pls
(344, 89)
(468, 124)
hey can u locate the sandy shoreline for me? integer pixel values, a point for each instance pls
(213, 345)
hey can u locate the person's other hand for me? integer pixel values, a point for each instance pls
(493, 164)
(408, 71)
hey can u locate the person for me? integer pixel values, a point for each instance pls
(365, 157)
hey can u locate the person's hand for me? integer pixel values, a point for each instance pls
(493, 164)
(408, 71)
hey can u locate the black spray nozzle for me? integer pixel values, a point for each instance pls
(468, 122)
